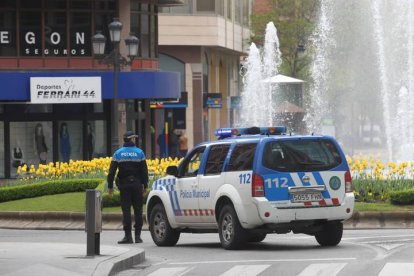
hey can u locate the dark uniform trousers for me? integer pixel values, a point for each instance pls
(131, 195)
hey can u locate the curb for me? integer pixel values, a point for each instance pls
(122, 262)
(57, 220)
(381, 220)
(113, 221)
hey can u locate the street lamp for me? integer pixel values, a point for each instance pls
(116, 60)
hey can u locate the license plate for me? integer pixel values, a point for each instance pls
(306, 197)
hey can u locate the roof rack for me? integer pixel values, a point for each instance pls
(229, 132)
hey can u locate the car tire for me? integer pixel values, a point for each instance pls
(256, 237)
(331, 234)
(161, 232)
(231, 233)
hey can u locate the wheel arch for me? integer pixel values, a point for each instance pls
(229, 194)
(158, 199)
(221, 202)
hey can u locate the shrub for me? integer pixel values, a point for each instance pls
(47, 188)
(113, 201)
(402, 197)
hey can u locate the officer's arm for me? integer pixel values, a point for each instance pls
(111, 175)
(144, 173)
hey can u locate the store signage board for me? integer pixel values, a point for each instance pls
(64, 90)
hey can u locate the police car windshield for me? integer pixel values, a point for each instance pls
(301, 155)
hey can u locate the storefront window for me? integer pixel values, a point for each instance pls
(246, 13)
(144, 35)
(30, 143)
(55, 4)
(70, 141)
(7, 4)
(31, 4)
(143, 24)
(80, 33)
(229, 9)
(8, 33)
(53, 28)
(237, 11)
(95, 139)
(206, 5)
(102, 20)
(80, 4)
(106, 4)
(30, 34)
(55, 34)
(187, 8)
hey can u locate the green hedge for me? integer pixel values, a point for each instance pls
(115, 200)
(402, 197)
(48, 188)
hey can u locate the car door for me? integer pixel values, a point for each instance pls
(211, 180)
(186, 187)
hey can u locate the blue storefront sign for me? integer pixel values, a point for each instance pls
(15, 86)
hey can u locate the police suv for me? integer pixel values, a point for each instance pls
(252, 182)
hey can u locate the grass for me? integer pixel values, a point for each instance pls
(381, 207)
(75, 202)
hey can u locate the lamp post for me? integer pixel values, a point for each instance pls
(116, 60)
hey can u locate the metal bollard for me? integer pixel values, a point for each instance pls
(93, 221)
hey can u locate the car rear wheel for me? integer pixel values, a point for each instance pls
(232, 235)
(331, 234)
(161, 232)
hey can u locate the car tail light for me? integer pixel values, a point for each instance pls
(348, 182)
(257, 186)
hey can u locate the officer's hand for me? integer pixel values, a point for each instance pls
(110, 192)
(144, 192)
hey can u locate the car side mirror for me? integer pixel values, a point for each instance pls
(172, 170)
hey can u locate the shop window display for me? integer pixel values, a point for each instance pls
(30, 143)
(95, 139)
(70, 141)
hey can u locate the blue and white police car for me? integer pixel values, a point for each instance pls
(252, 182)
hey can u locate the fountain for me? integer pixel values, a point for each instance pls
(363, 76)
(257, 106)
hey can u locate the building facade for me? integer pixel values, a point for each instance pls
(204, 41)
(56, 96)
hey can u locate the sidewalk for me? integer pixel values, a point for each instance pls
(113, 221)
(65, 259)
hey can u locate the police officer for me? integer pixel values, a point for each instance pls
(132, 183)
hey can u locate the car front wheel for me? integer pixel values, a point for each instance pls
(161, 232)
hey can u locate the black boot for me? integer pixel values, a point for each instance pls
(127, 238)
(138, 237)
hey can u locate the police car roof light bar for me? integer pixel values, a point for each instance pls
(229, 132)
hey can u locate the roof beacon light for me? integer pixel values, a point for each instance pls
(229, 132)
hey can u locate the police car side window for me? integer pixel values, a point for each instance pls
(191, 164)
(242, 157)
(215, 159)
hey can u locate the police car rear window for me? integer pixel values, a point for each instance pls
(301, 155)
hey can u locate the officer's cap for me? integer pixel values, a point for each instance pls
(129, 135)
